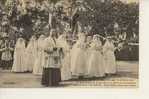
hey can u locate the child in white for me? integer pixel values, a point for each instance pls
(95, 62)
(19, 56)
(65, 69)
(109, 57)
(31, 53)
(38, 66)
(78, 57)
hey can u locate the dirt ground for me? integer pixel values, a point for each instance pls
(127, 76)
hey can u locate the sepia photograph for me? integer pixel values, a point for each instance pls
(69, 43)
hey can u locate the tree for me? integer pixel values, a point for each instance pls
(101, 16)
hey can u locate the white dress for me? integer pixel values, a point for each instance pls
(31, 54)
(95, 62)
(38, 66)
(19, 57)
(109, 58)
(65, 69)
(88, 53)
(78, 59)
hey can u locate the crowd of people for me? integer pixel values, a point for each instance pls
(62, 59)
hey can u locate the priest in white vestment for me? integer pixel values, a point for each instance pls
(19, 56)
(95, 62)
(109, 57)
(51, 75)
(39, 59)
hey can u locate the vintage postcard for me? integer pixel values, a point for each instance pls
(69, 43)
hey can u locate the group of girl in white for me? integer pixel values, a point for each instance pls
(88, 57)
(28, 59)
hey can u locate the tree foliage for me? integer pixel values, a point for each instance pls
(99, 15)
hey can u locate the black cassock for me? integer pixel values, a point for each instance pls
(51, 75)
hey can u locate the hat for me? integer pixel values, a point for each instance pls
(110, 37)
(59, 4)
(96, 36)
(79, 1)
(68, 30)
(5, 35)
(4, 13)
(4, 23)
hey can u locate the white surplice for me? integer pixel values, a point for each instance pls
(49, 53)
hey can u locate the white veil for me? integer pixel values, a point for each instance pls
(20, 43)
(96, 42)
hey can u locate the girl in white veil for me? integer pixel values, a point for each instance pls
(78, 57)
(65, 69)
(109, 57)
(31, 53)
(39, 60)
(95, 62)
(19, 56)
